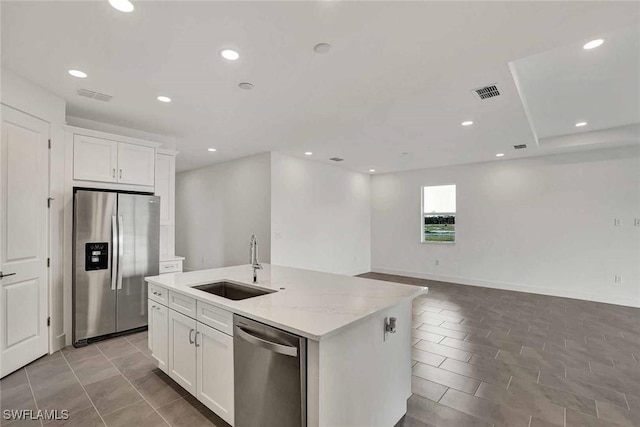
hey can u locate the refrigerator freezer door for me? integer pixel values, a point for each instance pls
(139, 228)
(94, 301)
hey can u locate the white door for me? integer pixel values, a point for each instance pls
(215, 371)
(182, 350)
(136, 164)
(95, 159)
(159, 333)
(24, 181)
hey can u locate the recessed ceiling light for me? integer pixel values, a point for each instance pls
(580, 124)
(593, 44)
(164, 99)
(372, 170)
(245, 86)
(122, 5)
(78, 73)
(229, 54)
(308, 153)
(211, 149)
(322, 48)
(467, 123)
(500, 155)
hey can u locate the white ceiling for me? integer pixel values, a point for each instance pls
(398, 78)
(568, 84)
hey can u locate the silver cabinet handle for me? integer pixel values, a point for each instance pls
(287, 350)
(196, 340)
(153, 306)
(120, 250)
(120, 173)
(113, 173)
(191, 341)
(114, 253)
(6, 275)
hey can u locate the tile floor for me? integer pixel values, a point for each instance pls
(482, 357)
(113, 383)
(486, 357)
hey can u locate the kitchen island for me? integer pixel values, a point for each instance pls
(355, 362)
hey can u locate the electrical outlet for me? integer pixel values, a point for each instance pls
(616, 222)
(617, 278)
(636, 222)
(437, 262)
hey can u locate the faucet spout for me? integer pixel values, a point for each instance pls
(255, 264)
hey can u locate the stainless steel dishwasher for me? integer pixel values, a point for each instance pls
(270, 368)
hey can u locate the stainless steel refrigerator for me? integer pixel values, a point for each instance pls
(115, 246)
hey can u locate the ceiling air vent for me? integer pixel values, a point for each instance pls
(520, 147)
(487, 92)
(336, 159)
(94, 95)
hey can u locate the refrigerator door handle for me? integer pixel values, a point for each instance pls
(120, 250)
(114, 252)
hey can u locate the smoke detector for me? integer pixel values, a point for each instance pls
(94, 95)
(487, 92)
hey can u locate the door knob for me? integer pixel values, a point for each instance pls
(6, 275)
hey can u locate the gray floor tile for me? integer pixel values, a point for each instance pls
(111, 394)
(139, 414)
(85, 418)
(134, 365)
(158, 388)
(426, 357)
(116, 347)
(94, 369)
(501, 415)
(447, 378)
(427, 389)
(438, 415)
(73, 354)
(444, 350)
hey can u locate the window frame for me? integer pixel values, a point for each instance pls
(423, 214)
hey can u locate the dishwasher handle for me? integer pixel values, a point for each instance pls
(287, 350)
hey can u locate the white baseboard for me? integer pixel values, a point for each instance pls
(604, 298)
(358, 272)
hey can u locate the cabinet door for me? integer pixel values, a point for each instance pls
(94, 159)
(182, 350)
(165, 186)
(215, 371)
(159, 333)
(136, 164)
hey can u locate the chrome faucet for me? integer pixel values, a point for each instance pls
(255, 264)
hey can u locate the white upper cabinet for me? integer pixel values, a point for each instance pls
(136, 164)
(165, 186)
(105, 160)
(95, 159)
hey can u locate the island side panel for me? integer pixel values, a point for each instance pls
(362, 379)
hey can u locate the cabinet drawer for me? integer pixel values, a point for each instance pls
(170, 266)
(182, 304)
(215, 317)
(158, 294)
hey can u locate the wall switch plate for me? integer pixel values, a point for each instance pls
(636, 222)
(617, 278)
(437, 262)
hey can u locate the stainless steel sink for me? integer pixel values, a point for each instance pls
(233, 291)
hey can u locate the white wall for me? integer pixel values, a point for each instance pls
(320, 216)
(543, 225)
(219, 207)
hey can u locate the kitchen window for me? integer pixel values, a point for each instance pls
(439, 214)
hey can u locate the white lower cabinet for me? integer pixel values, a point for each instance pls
(159, 333)
(182, 350)
(196, 356)
(215, 371)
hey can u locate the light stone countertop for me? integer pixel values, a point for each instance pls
(312, 304)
